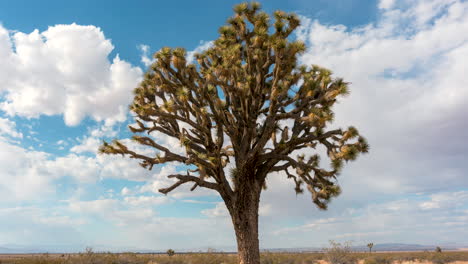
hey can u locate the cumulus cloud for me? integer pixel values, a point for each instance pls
(129, 224)
(138, 201)
(125, 191)
(64, 70)
(204, 45)
(28, 224)
(8, 128)
(29, 174)
(26, 174)
(132, 219)
(145, 55)
(407, 74)
(386, 4)
(446, 200)
(88, 144)
(382, 222)
(407, 92)
(219, 210)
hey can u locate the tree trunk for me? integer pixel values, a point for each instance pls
(244, 214)
(248, 248)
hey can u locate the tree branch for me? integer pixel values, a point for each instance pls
(188, 178)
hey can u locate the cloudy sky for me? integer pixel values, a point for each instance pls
(66, 77)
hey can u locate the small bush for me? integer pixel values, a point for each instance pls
(440, 258)
(170, 252)
(339, 253)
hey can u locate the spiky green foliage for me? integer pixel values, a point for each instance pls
(249, 89)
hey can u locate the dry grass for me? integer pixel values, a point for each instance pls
(267, 258)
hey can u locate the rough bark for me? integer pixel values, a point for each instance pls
(246, 228)
(244, 214)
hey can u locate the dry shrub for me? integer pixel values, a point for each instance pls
(339, 253)
(290, 258)
(378, 259)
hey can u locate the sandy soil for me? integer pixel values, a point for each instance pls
(16, 256)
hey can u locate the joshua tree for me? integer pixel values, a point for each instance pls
(170, 252)
(370, 245)
(245, 102)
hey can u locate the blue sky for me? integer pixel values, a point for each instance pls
(169, 23)
(66, 75)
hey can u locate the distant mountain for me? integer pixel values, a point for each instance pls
(5, 250)
(292, 250)
(377, 247)
(401, 247)
(19, 249)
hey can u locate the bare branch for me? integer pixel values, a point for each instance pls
(188, 178)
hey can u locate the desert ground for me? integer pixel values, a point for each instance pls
(453, 257)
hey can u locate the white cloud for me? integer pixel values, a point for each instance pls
(125, 191)
(407, 74)
(446, 200)
(386, 4)
(82, 169)
(8, 128)
(115, 211)
(29, 174)
(46, 226)
(103, 131)
(137, 201)
(408, 85)
(22, 175)
(102, 206)
(396, 220)
(197, 201)
(311, 225)
(145, 55)
(94, 139)
(65, 70)
(219, 210)
(121, 224)
(61, 142)
(204, 45)
(88, 144)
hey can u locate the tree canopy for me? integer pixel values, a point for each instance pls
(245, 101)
